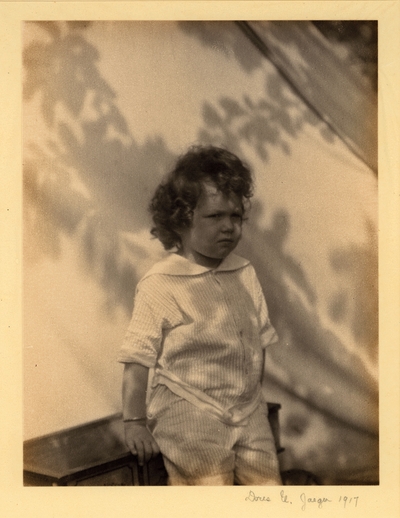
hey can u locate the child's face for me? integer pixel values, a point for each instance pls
(216, 227)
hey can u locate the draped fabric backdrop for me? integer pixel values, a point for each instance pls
(108, 106)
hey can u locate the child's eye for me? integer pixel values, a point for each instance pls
(234, 217)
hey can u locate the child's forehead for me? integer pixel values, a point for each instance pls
(212, 196)
(210, 190)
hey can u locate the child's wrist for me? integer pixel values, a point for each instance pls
(134, 419)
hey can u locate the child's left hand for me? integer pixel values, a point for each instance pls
(140, 442)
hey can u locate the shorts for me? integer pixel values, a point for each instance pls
(199, 449)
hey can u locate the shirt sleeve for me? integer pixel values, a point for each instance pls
(268, 335)
(151, 317)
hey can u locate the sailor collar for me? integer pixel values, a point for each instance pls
(174, 264)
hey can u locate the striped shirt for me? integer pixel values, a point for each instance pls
(204, 331)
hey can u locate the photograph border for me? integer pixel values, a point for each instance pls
(15, 500)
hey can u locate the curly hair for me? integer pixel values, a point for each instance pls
(176, 197)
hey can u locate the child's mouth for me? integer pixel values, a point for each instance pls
(226, 243)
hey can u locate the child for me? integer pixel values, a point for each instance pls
(201, 321)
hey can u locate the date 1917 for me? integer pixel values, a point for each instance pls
(346, 501)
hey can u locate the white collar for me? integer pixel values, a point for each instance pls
(174, 264)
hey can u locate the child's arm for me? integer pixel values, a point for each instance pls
(137, 437)
(263, 368)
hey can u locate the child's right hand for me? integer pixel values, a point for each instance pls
(140, 441)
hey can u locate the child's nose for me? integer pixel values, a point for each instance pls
(227, 225)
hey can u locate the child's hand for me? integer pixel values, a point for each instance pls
(140, 442)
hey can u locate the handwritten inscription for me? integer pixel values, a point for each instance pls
(348, 500)
(284, 498)
(311, 500)
(304, 500)
(252, 497)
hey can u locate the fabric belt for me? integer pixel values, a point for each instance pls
(235, 415)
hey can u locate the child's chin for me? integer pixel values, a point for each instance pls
(226, 250)
(224, 255)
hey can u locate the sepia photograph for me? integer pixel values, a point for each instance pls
(269, 128)
(201, 260)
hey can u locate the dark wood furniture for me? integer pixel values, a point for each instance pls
(95, 454)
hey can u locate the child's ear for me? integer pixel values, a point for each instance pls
(189, 221)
